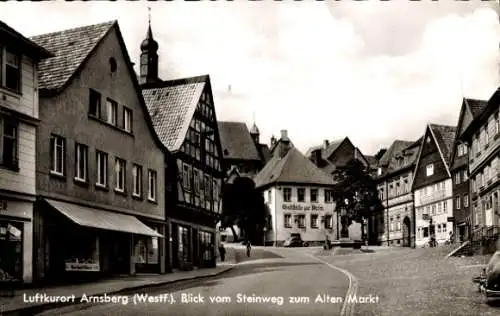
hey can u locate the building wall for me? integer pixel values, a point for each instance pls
(17, 187)
(397, 199)
(66, 115)
(27, 101)
(434, 201)
(279, 208)
(461, 198)
(484, 169)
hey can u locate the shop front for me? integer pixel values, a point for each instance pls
(192, 246)
(16, 240)
(83, 244)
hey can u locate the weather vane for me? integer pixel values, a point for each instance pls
(149, 15)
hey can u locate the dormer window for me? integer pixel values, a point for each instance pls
(430, 170)
(379, 171)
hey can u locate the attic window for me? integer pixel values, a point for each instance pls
(226, 152)
(428, 140)
(112, 64)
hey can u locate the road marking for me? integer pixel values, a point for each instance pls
(347, 308)
(473, 266)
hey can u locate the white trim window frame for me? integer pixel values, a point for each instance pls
(10, 65)
(9, 142)
(58, 155)
(111, 112)
(102, 168)
(127, 119)
(152, 185)
(119, 175)
(136, 180)
(81, 162)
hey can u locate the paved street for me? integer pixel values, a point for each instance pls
(294, 276)
(406, 282)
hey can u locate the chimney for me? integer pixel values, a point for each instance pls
(284, 135)
(285, 143)
(326, 143)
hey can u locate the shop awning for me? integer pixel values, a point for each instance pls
(89, 217)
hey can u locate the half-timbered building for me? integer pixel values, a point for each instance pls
(184, 118)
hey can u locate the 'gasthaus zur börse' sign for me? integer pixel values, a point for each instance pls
(298, 207)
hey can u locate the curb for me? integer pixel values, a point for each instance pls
(37, 309)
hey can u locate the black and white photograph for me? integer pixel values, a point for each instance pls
(250, 158)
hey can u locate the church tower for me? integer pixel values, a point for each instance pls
(149, 58)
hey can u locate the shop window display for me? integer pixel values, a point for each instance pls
(147, 250)
(184, 244)
(205, 245)
(85, 257)
(11, 240)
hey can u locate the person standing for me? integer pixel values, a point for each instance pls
(249, 248)
(222, 253)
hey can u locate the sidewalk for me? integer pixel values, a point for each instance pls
(16, 305)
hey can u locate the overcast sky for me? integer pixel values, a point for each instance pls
(374, 71)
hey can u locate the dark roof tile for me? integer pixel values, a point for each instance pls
(236, 141)
(171, 108)
(294, 167)
(445, 136)
(476, 106)
(70, 48)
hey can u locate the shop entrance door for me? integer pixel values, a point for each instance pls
(120, 254)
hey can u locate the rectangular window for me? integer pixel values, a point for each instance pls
(127, 119)
(287, 194)
(301, 221)
(497, 127)
(328, 196)
(457, 202)
(137, 180)
(466, 200)
(81, 156)
(12, 71)
(426, 231)
(457, 178)
(9, 142)
(328, 221)
(440, 208)
(152, 185)
(301, 194)
(112, 112)
(433, 208)
(102, 168)
(58, 154)
(120, 175)
(287, 221)
(460, 150)
(314, 221)
(486, 136)
(94, 103)
(466, 149)
(196, 181)
(445, 207)
(215, 189)
(465, 176)
(186, 176)
(208, 190)
(430, 170)
(269, 196)
(314, 195)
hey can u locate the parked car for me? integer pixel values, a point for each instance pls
(489, 280)
(295, 241)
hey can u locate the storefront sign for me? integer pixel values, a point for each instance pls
(298, 207)
(89, 265)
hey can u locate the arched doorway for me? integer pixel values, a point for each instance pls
(406, 232)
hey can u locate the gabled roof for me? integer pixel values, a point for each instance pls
(396, 147)
(470, 109)
(329, 150)
(71, 48)
(445, 137)
(172, 105)
(27, 46)
(236, 141)
(476, 106)
(265, 152)
(294, 167)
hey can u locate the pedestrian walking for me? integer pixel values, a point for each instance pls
(222, 253)
(249, 248)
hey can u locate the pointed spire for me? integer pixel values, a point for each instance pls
(254, 130)
(149, 44)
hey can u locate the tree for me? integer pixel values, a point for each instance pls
(356, 193)
(244, 206)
